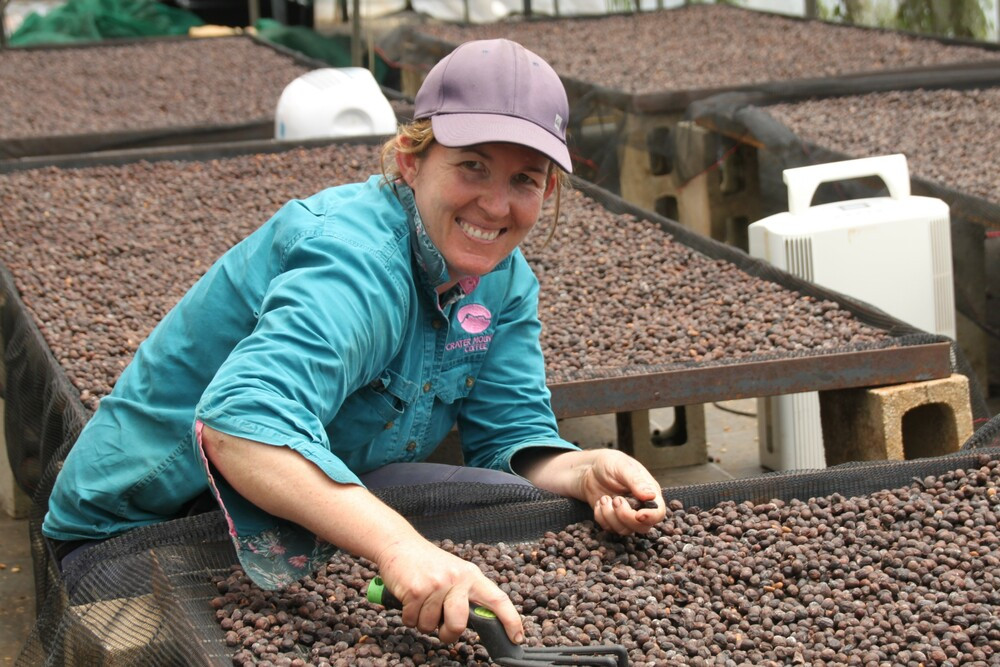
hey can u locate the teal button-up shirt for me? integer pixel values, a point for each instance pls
(321, 331)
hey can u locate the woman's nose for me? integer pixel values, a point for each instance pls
(495, 200)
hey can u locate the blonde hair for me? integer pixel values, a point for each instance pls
(419, 136)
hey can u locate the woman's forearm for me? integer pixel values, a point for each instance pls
(282, 482)
(557, 470)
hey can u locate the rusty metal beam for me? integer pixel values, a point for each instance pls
(751, 379)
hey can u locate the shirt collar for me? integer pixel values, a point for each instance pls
(429, 258)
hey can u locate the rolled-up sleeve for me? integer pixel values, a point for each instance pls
(320, 333)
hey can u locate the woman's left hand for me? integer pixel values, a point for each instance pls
(604, 479)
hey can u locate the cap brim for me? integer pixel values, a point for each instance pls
(467, 129)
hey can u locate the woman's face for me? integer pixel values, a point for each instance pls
(478, 202)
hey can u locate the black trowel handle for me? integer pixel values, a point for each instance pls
(492, 634)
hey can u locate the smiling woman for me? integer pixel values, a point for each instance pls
(345, 338)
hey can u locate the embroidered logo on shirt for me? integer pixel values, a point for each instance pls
(474, 318)
(468, 345)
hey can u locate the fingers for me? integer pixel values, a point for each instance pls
(610, 515)
(429, 617)
(615, 514)
(441, 604)
(615, 475)
(456, 617)
(449, 614)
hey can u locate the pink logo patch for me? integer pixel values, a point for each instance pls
(474, 318)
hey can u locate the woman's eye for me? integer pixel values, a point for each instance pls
(524, 179)
(473, 164)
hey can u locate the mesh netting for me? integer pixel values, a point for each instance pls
(42, 408)
(144, 598)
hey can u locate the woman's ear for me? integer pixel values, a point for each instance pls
(406, 162)
(550, 185)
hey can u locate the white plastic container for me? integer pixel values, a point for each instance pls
(333, 102)
(891, 252)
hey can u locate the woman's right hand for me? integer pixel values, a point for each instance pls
(436, 588)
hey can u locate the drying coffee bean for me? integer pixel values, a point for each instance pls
(900, 576)
(618, 295)
(637, 504)
(944, 133)
(147, 85)
(745, 48)
(909, 122)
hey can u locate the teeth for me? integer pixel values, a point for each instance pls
(477, 233)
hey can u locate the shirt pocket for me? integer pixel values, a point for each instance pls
(389, 394)
(371, 409)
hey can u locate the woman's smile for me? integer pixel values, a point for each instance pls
(481, 234)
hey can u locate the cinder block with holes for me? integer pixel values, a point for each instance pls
(718, 201)
(899, 422)
(685, 445)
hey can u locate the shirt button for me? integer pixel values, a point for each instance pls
(436, 324)
(389, 425)
(427, 387)
(410, 446)
(469, 381)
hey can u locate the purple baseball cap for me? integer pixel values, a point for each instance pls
(496, 90)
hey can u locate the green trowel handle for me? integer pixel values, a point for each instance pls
(492, 634)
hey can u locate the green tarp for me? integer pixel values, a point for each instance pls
(95, 20)
(335, 50)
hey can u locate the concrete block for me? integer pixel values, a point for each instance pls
(645, 179)
(898, 422)
(686, 445)
(719, 202)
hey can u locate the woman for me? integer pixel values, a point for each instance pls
(338, 344)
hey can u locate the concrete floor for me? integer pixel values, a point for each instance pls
(17, 587)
